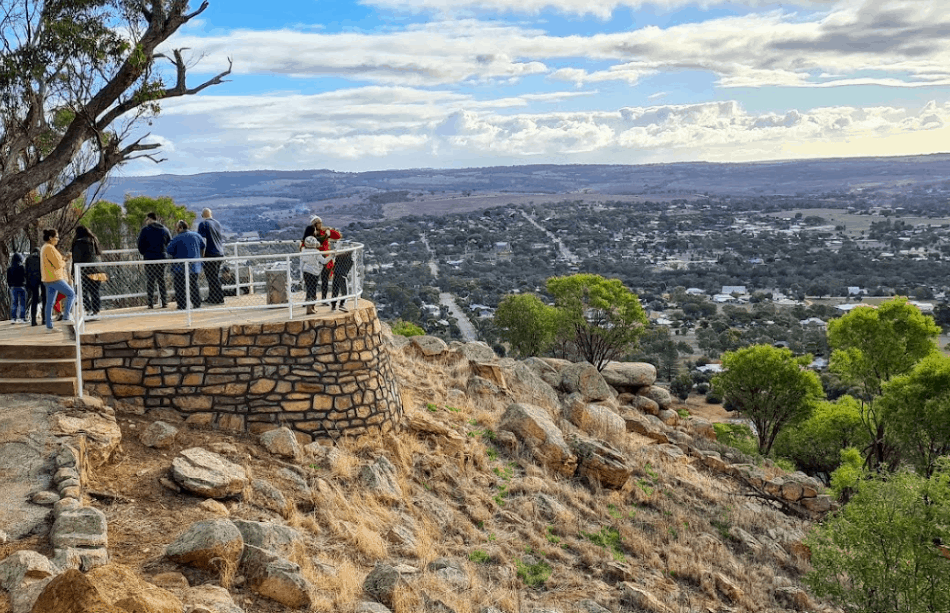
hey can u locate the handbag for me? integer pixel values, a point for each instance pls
(101, 277)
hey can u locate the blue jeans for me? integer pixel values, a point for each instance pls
(52, 289)
(18, 299)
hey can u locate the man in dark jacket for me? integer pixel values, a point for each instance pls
(153, 244)
(186, 245)
(210, 230)
(35, 288)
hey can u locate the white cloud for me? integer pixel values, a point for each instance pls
(859, 42)
(598, 8)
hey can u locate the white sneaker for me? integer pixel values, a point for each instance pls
(50, 330)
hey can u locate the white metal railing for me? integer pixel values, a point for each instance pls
(248, 282)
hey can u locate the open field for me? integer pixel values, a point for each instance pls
(855, 224)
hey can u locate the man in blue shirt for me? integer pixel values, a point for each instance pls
(186, 245)
(210, 230)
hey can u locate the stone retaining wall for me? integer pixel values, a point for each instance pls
(321, 377)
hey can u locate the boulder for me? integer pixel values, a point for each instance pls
(491, 372)
(276, 538)
(22, 567)
(102, 435)
(382, 479)
(281, 442)
(83, 527)
(108, 589)
(584, 379)
(159, 435)
(668, 417)
(476, 351)
(600, 462)
(590, 606)
(209, 598)
(645, 426)
(594, 419)
(701, 428)
(208, 474)
(819, 505)
(629, 376)
(540, 436)
(268, 496)
(745, 539)
(211, 544)
(452, 443)
(381, 583)
(428, 346)
(480, 386)
(548, 373)
(367, 606)
(639, 403)
(275, 577)
(792, 597)
(452, 571)
(659, 395)
(528, 387)
(641, 599)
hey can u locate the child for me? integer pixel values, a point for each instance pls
(16, 281)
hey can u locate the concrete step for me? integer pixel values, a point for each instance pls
(37, 369)
(26, 352)
(60, 386)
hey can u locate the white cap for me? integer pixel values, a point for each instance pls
(315, 219)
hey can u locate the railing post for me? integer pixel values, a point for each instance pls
(290, 297)
(187, 296)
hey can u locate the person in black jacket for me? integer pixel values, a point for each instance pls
(344, 262)
(34, 284)
(86, 250)
(153, 244)
(16, 281)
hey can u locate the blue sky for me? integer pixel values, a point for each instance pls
(383, 84)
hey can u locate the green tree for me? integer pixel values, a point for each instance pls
(601, 318)
(71, 71)
(815, 445)
(916, 407)
(526, 323)
(405, 328)
(770, 386)
(877, 554)
(164, 207)
(106, 221)
(871, 346)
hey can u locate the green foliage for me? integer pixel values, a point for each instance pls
(526, 323)
(479, 557)
(878, 555)
(816, 443)
(737, 436)
(609, 538)
(405, 328)
(682, 386)
(872, 346)
(770, 386)
(533, 573)
(916, 408)
(106, 220)
(849, 473)
(601, 318)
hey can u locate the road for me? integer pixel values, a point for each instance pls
(464, 323)
(565, 252)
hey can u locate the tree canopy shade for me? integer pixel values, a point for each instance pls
(878, 553)
(916, 407)
(74, 77)
(770, 386)
(815, 445)
(871, 346)
(526, 323)
(601, 318)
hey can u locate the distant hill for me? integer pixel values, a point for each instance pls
(264, 200)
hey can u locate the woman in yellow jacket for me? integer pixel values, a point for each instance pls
(54, 277)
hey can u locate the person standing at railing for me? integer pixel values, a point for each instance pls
(34, 284)
(312, 263)
(210, 230)
(54, 277)
(323, 234)
(153, 244)
(186, 245)
(341, 268)
(86, 250)
(16, 281)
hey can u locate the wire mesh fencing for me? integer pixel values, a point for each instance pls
(250, 276)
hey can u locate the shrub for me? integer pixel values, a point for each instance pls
(738, 436)
(713, 397)
(533, 573)
(406, 328)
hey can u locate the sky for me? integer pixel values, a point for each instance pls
(390, 84)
